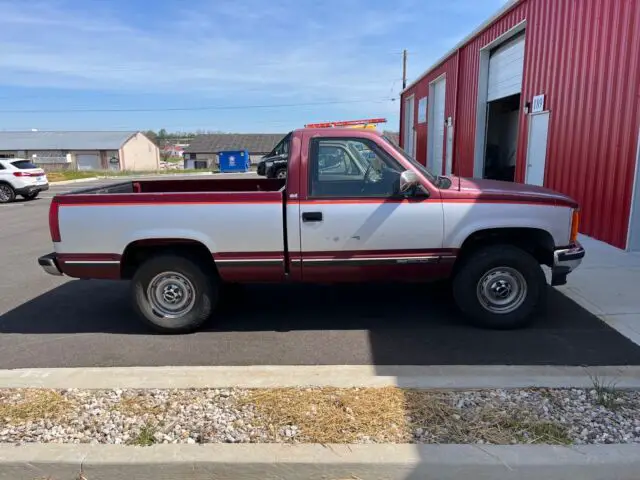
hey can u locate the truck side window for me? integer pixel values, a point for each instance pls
(351, 167)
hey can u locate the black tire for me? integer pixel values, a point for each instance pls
(469, 277)
(8, 194)
(205, 293)
(30, 196)
(280, 173)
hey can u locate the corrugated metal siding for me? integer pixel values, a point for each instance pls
(468, 96)
(584, 55)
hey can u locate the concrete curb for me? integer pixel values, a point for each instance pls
(391, 462)
(79, 180)
(435, 377)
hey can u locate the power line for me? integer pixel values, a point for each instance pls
(185, 109)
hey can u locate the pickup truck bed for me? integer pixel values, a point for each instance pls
(224, 215)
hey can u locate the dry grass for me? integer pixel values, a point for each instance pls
(392, 415)
(20, 406)
(333, 415)
(138, 405)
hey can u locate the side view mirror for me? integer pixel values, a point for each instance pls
(408, 181)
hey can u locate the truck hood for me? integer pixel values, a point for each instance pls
(507, 191)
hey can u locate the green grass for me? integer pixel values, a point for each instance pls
(606, 393)
(145, 437)
(68, 175)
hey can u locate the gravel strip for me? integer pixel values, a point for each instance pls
(146, 417)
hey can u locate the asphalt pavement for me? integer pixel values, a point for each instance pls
(48, 321)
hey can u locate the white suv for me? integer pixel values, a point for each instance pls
(20, 177)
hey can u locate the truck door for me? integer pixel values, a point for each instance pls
(355, 226)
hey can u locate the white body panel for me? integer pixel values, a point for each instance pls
(259, 228)
(373, 226)
(506, 67)
(463, 219)
(220, 227)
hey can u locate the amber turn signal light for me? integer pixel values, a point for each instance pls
(575, 222)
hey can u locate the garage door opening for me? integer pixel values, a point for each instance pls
(503, 118)
(499, 97)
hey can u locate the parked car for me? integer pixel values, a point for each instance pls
(20, 177)
(355, 218)
(274, 164)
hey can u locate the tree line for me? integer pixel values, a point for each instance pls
(163, 137)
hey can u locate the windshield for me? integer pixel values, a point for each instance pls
(424, 170)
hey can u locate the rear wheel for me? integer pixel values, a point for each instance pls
(281, 173)
(7, 194)
(173, 294)
(500, 287)
(30, 196)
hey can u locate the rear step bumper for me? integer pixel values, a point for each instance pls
(49, 264)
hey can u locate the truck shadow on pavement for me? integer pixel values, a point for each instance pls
(405, 325)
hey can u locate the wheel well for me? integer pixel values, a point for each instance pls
(539, 243)
(140, 251)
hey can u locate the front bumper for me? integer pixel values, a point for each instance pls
(49, 264)
(565, 260)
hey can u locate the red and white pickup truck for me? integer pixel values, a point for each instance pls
(353, 208)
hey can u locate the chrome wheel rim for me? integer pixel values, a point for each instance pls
(5, 193)
(502, 290)
(281, 174)
(171, 295)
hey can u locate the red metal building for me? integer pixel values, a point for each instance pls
(546, 92)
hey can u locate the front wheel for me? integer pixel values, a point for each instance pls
(282, 173)
(173, 294)
(500, 287)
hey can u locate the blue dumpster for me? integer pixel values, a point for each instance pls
(234, 161)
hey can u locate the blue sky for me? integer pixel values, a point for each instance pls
(172, 54)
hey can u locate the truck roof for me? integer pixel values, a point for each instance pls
(341, 131)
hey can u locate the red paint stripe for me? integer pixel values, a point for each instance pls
(171, 198)
(248, 255)
(88, 257)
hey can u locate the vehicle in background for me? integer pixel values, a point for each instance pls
(20, 177)
(354, 207)
(274, 164)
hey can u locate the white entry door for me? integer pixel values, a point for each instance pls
(436, 127)
(537, 148)
(409, 132)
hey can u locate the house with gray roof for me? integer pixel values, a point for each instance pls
(84, 150)
(203, 150)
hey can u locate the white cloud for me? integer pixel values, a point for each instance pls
(225, 50)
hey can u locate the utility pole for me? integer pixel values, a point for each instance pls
(404, 69)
